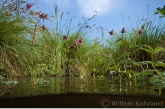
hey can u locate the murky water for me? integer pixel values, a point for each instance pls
(62, 85)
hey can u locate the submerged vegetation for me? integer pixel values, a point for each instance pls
(29, 48)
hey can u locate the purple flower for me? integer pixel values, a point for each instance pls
(140, 32)
(28, 6)
(65, 37)
(43, 16)
(79, 41)
(123, 30)
(43, 27)
(111, 32)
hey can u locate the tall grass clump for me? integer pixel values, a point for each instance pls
(40, 51)
(138, 51)
(12, 42)
(60, 50)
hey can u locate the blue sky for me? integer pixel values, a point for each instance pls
(112, 14)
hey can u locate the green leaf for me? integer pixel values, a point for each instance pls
(129, 61)
(146, 72)
(136, 64)
(32, 21)
(72, 60)
(159, 74)
(150, 50)
(144, 62)
(118, 40)
(147, 50)
(41, 64)
(162, 10)
(148, 47)
(157, 50)
(159, 63)
(57, 13)
(155, 79)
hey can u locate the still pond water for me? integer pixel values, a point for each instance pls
(62, 85)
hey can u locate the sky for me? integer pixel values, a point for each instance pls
(111, 14)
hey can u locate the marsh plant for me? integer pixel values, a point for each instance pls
(29, 48)
(139, 52)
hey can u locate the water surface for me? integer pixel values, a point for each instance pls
(62, 85)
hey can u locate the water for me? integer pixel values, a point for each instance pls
(62, 85)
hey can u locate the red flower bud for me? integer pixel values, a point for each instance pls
(140, 32)
(43, 27)
(123, 30)
(79, 41)
(43, 16)
(65, 37)
(111, 32)
(143, 26)
(28, 6)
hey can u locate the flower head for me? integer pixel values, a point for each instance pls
(123, 30)
(65, 37)
(143, 26)
(79, 41)
(111, 32)
(43, 27)
(140, 32)
(43, 16)
(28, 6)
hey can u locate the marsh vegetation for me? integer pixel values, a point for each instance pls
(30, 49)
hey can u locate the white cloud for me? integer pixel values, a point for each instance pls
(87, 7)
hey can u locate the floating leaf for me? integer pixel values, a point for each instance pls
(9, 82)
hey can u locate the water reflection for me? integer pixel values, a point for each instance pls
(62, 85)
